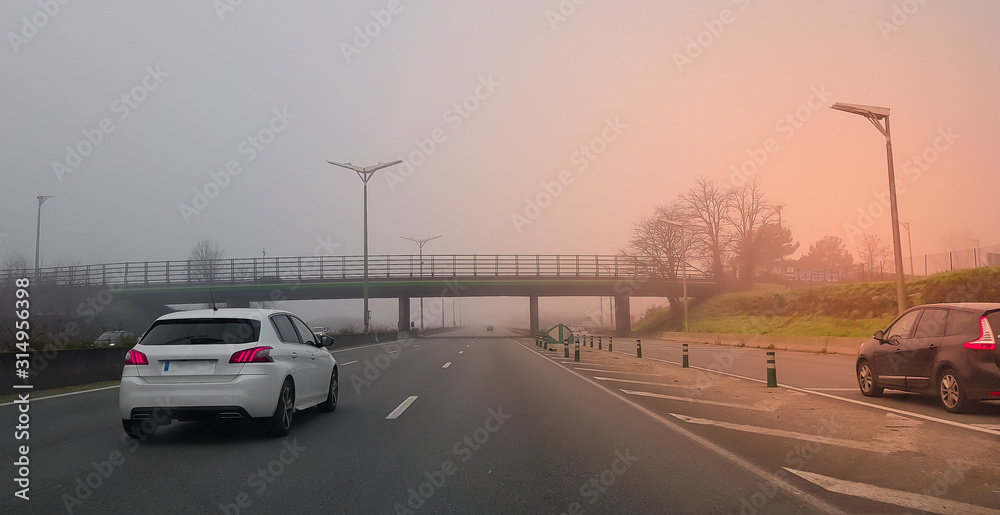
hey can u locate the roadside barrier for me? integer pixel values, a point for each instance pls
(638, 348)
(684, 361)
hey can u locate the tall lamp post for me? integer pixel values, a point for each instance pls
(365, 173)
(38, 229)
(876, 115)
(909, 241)
(684, 276)
(420, 244)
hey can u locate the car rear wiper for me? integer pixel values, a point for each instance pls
(206, 339)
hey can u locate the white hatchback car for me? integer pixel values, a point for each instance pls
(228, 363)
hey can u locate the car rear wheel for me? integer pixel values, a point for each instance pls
(281, 422)
(866, 380)
(330, 404)
(951, 393)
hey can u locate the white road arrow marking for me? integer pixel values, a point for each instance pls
(920, 502)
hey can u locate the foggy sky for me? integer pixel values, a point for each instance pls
(673, 90)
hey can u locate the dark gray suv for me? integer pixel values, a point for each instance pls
(948, 350)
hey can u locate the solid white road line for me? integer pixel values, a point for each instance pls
(769, 407)
(446, 365)
(925, 503)
(993, 427)
(855, 389)
(839, 442)
(817, 504)
(348, 363)
(36, 399)
(402, 407)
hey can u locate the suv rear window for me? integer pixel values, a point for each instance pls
(963, 323)
(196, 331)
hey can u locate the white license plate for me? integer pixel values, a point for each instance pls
(189, 367)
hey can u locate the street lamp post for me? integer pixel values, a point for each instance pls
(38, 229)
(365, 174)
(420, 244)
(875, 115)
(909, 241)
(684, 276)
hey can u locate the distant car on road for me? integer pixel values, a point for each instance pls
(489, 328)
(948, 350)
(261, 364)
(114, 338)
(320, 330)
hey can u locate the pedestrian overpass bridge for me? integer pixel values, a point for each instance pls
(237, 282)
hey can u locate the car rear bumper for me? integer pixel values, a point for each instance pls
(246, 395)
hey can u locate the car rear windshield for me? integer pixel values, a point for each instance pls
(994, 318)
(202, 331)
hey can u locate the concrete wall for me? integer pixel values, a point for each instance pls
(58, 368)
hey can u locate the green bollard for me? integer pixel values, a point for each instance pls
(638, 348)
(545, 342)
(772, 374)
(591, 342)
(576, 351)
(566, 349)
(600, 342)
(685, 358)
(611, 340)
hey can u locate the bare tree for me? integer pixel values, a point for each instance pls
(758, 240)
(656, 247)
(871, 250)
(14, 265)
(708, 206)
(205, 260)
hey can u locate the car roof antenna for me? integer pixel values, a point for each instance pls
(212, 296)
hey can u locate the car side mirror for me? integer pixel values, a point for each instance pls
(879, 335)
(325, 341)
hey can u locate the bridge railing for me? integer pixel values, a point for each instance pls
(333, 268)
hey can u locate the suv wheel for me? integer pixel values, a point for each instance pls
(866, 380)
(952, 394)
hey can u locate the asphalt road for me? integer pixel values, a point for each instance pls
(495, 425)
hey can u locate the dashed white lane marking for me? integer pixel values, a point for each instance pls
(461, 351)
(757, 407)
(446, 365)
(348, 362)
(402, 407)
(924, 503)
(839, 442)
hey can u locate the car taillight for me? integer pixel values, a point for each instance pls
(135, 357)
(986, 340)
(254, 355)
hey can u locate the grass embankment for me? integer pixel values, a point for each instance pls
(853, 310)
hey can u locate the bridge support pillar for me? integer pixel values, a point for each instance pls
(404, 316)
(533, 314)
(623, 316)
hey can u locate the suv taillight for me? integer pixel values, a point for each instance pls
(986, 340)
(254, 355)
(135, 357)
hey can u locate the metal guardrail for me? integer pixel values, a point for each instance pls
(334, 268)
